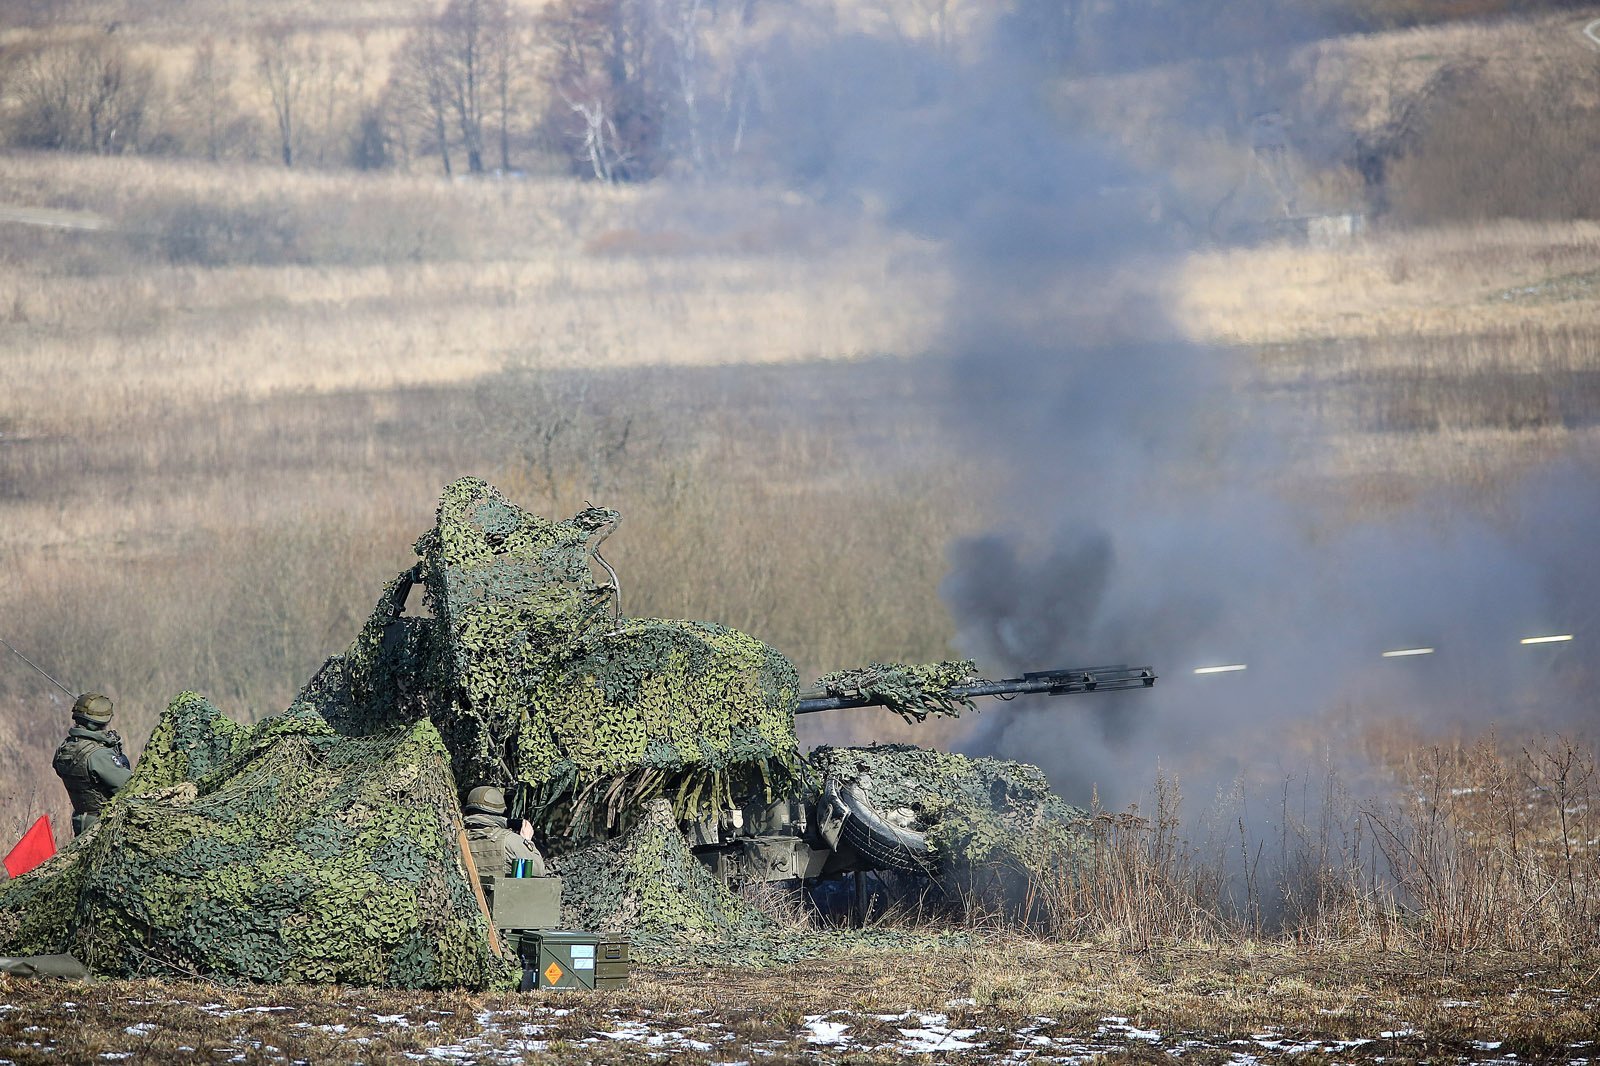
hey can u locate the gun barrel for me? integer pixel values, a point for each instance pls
(1038, 682)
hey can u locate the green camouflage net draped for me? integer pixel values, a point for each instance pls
(648, 883)
(512, 596)
(694, 712)
(913, 691)
(976, 813)
(287, 852)
(596, 715)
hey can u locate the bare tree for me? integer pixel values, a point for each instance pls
(610, 85)
(207, 107)
(287, 65)
(464, 35)
(602, 146)
(88, 95)
(460, 77)
(510, 65)
(680, 25)
(419, 93)
(206, 93)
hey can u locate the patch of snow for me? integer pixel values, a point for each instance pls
(1289, 1047)
(927, 1041)
(1487, 1045)
(142, 1029)
(116, 1056)
(628, 1031)
(217, 1010)
(822, 1031)
(1458, 1003)
(1122, 1027)
(1400, 1034)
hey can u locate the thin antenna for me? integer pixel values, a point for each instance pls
(36, 666)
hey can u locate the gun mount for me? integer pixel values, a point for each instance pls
(882, 808)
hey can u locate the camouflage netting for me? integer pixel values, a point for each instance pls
(597, 715)
(648, 883)
(287, 852)
(975, 813)
(911, 691)
(694, 712)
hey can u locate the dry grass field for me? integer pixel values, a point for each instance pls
(226, 414)
(962, 998)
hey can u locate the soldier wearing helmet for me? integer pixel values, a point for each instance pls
(90, 761)
(496, 847)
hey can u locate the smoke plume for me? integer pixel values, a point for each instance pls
(1144, 518)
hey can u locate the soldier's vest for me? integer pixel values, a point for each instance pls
(87, 792)
(488, 854)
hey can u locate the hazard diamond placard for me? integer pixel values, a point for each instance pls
(553, 973)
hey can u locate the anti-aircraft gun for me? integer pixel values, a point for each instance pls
(871, 808)
(587, 718)
(325, 843)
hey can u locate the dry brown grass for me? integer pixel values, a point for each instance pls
(1447, 356)
(394, 282)
(1457, 281)
(1460, 849)
(1014, 997)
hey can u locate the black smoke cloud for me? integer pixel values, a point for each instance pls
(1144, 522)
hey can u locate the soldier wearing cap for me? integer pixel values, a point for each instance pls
(90, 761)
(496, 847)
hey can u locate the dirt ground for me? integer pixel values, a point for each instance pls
(937, 999)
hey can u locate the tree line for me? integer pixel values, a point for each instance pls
(611, 89)
(625, 90)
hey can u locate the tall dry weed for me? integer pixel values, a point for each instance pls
(1470, 848)
(1487, 849)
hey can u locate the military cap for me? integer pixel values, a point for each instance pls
(486, 799)
(93, 706)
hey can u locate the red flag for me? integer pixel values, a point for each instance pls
(36, 845)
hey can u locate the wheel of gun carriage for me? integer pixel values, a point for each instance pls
(941, 815)
(889, 837)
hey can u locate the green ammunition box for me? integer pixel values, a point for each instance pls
(570, 959)
(613, 962)
(523, 902)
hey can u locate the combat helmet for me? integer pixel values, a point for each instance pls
(93, 708)
(486, 799)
